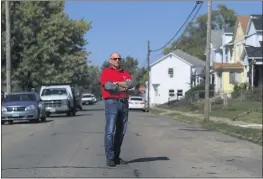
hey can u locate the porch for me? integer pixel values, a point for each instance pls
(255, 66)
(226, 75)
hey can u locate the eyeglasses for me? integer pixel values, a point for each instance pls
(116, 59)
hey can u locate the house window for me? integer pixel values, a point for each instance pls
(171, 92)
(170, 72)
(226, 55)
(234, 77)
(180, 92)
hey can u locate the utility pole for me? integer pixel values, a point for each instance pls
(207, 69)
(148, 84)
(8, 48)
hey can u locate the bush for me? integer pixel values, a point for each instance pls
(244, 92)
(200, 89)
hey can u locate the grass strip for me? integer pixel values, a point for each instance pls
(248, 134)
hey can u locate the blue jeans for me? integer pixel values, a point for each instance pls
(116, 113)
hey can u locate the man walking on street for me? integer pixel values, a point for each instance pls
(115, 85)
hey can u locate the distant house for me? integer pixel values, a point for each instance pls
(227, 36)
(239, 38)
(226, 72)
(216, 57)
(252, 55)
(216, 43)
(174, 71)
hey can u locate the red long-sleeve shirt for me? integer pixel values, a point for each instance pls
(114, 75)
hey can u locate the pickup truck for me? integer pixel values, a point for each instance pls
(59, 98)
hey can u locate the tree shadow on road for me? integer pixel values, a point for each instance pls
(93, 110)
(30, 122)
(148, 159)
(65, 116)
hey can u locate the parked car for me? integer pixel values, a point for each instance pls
(137, 102)
(88, 98)
(59, 98)
(23, 106)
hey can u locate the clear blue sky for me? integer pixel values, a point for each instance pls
(127, 26)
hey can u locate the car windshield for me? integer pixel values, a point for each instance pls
(20, 97)
(87, 96)
(54, 91)
(136, 99)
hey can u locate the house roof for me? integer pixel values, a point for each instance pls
(254, 51)
(227, 66)
(257, 21)
(192, 60)
(216, 38)
(196, 62)
(189, 58)
(243, 21)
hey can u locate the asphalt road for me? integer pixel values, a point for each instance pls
(155, 146)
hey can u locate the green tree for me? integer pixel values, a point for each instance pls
(105, 64)
(194, 40)
(129, 64)
(47, 45)
(144, 77)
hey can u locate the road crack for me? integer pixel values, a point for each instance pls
(35, 169)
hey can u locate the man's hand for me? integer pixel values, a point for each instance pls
(122, 89)
(121, 84)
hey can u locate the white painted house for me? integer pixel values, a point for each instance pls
(252, 55)
(227, 36)
(174, 71)
(216, 51)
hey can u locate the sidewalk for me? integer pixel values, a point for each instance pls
(213, 118)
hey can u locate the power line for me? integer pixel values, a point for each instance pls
(144, 66)
(185, 30)
(144, 62)
(197, 3)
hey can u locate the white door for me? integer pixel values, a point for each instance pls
(156, 94)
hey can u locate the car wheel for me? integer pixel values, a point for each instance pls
(43, 118)
(35, 120)
(73, 112)
(2, 122)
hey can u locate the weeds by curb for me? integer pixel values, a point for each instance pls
(248, 134)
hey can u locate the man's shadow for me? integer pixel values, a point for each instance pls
(148, 159)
